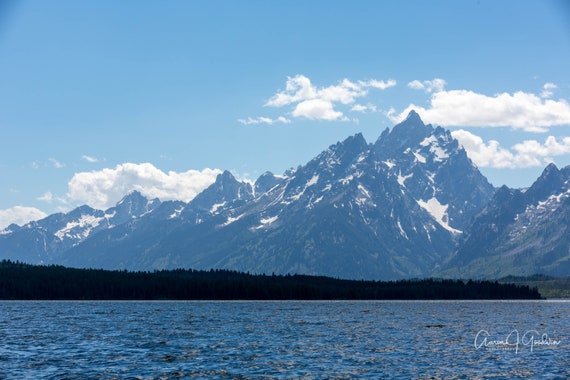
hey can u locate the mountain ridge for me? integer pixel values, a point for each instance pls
(390, 209)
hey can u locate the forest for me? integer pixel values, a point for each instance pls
(19, 281)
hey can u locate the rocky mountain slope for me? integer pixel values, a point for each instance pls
(411, 204)
(519, 232)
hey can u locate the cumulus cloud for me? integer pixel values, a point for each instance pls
(364, 108)
(379, 84)
(547, 90)
(317, 109)
(435, 85)
(464, 108)
(529, 153)
(264, 120)
(320, 103)
(19, 215)
(104, 188)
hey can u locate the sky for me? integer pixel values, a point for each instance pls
(99, 98)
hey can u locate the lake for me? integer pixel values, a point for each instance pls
(292, 339)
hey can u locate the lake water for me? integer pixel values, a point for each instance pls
(259, 340)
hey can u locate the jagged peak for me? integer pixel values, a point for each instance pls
(342, 152)
(227, 184)
(413, 116)
(10, 229)
(550, 173)
(132, 195)
(551, 181)
(356, 141)
(265, 182)
(226, 175)
(407, 134)
(357, 138)
(266, 174)
(413, 120)
(550, 168)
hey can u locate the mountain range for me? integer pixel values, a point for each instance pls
(411, 204)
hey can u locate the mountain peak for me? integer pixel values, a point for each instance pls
(413, 116)
(550, 168)
(265, 182)
(133, 196)
(407, 134)
(357, 141)
(225, 176)
(225, 190)
(342, 153)
(551, 181)
(413, 120)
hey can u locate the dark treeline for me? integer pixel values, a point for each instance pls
(20, 281)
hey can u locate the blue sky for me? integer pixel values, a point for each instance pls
(98, 98)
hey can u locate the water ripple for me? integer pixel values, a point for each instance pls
(278, 340)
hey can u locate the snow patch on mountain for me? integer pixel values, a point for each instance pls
(402, 232)
(216, 206)
(419, 157)
(438, 212)
(438, 152)
(364, 190)
(428, 140)
(402, 179)
(79, 229)
(346, 180)
(313, 181)
(231, 219)
(552, 201)
(176, 213)
(265, 222)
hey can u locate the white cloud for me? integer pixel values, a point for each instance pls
(364, 108)
(47, 197)
(264, 120)
(297, 89)
(547, 90)
(435, 85)
(56, 164)
(320, 103)
(317, 109)
(89, 158)
(19, 215)
(104, 188)
(529, 153)
(379, 84)
(463, 108)
(50, 162)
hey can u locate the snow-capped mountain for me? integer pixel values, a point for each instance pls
(411, 204)
(519, 232)
(44, 241)
(386, 210)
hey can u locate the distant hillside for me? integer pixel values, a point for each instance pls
(548, 287)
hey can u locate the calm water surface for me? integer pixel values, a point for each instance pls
(258, 340)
